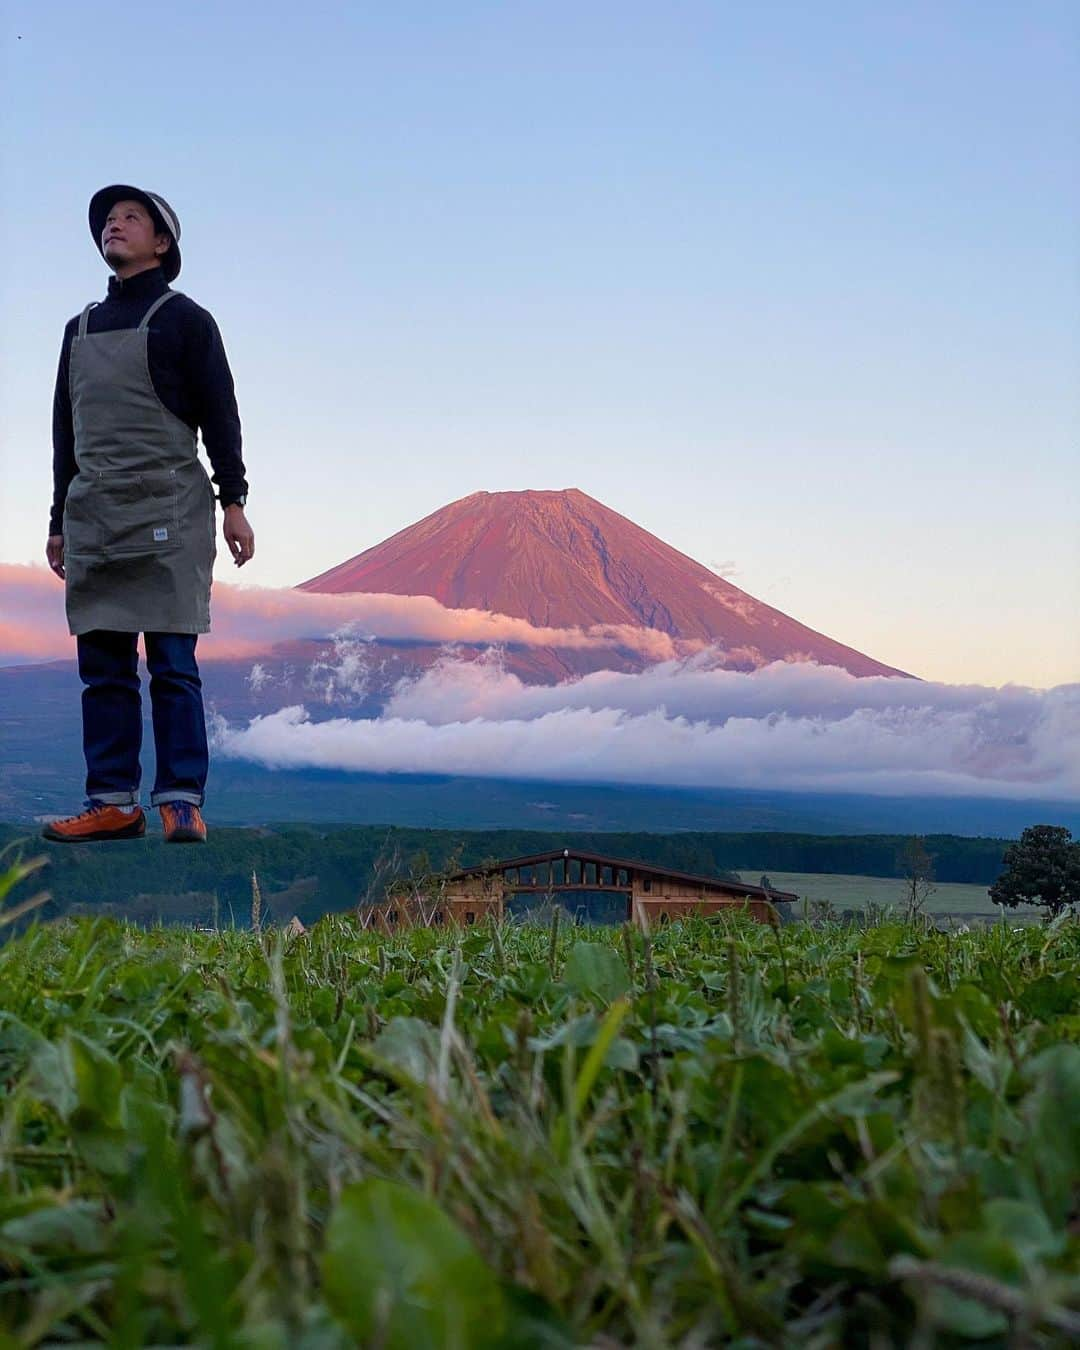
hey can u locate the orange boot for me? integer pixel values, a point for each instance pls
(100, 821)
(183, 823)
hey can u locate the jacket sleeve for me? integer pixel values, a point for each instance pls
(215, 407)
(63, 436)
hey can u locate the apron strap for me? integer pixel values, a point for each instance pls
(155, 307)
(84, 316)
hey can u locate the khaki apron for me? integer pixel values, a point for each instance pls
(139, 540)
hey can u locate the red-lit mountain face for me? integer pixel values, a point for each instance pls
(564, 560)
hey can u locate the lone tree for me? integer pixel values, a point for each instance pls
(917, 868)
(1041, 868)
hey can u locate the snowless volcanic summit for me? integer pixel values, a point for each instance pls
(563, 560)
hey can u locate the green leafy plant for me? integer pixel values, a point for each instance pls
(714, 1133)
(14, 874)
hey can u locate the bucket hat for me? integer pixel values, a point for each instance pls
(162, 214)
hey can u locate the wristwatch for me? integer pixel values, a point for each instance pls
(238, 501)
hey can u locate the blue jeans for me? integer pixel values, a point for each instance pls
(112, 717)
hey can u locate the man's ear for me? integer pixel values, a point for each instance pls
(168, 244)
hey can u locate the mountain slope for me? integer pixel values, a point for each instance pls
(563, 559)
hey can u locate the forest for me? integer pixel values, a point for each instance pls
(314, 870)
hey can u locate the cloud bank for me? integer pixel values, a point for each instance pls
(684, 721)
(248, 620)
(694, 724)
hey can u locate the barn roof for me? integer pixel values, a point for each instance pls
(630, 864)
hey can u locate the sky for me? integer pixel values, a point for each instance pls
(794, 287)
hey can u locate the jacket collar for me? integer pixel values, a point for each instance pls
(148, 283)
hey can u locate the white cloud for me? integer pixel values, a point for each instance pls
(801, 727)
(698, 687)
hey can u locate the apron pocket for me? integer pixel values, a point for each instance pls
(81, 525)
(137, 513)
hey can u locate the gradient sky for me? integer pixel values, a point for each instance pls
(792, 286)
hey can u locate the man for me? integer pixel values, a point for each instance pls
(132, 529)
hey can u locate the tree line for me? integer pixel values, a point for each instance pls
(315, 869)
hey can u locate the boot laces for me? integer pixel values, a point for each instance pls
(94, 810)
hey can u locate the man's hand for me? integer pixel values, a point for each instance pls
(238, 534)
(54, 552)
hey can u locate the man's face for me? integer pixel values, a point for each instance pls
(129, 240)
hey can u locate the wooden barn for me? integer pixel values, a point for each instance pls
(592, 887)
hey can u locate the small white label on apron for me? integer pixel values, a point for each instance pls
(160, 535)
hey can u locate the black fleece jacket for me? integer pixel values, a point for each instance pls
(188, 369)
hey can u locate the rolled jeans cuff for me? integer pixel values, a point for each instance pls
(113, 798)
(179, 795)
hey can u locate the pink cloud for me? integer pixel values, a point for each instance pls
(248, 620)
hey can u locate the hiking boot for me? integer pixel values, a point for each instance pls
(183, 823)
(100, 821)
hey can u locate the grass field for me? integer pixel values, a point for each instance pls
(855, 892)
(722, 1134)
